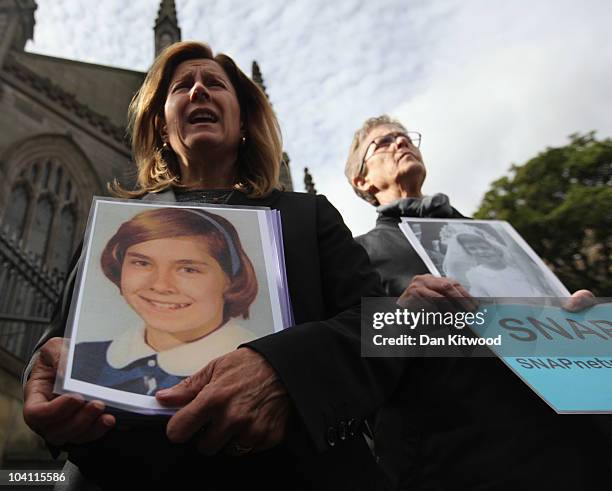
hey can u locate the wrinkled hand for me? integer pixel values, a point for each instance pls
(237, 398)
(579, 300)
(428, 286)
(60, 419)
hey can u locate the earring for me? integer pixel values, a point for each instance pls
(165, 146)
(243, 140)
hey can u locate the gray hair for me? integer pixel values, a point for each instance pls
(353, 162)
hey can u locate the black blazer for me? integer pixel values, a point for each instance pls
(333, 389)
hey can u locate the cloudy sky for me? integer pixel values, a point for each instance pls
(487, 82)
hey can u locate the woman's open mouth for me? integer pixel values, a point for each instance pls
(202, 116)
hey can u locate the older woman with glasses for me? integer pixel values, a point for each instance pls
(290, 405)
(457, 423)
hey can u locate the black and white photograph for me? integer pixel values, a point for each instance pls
(164, 291)
(488, 257)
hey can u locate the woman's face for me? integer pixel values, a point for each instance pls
(389, 166)
(175, 285)
(202, 113)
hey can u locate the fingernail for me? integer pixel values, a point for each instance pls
(98, 405)
(163, 392)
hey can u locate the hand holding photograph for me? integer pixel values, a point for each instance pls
(186, 279)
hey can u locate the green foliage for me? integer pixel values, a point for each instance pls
(561, 203)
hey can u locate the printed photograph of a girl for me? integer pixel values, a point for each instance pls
(489, 267)
(184, 272)
(488, 257)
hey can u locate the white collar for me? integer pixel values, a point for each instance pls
(183, 360)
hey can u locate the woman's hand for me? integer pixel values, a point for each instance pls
(579, 300)
(428, 286)
(60, 419)
(236, 402)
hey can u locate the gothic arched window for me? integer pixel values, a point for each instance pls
(46, 174)
(41, 226)
(41, 211)
(48, 184)
(16, 213)
(61, 252)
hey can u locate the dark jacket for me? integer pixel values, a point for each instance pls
(318, 360)
(389, 250)
(459, 424)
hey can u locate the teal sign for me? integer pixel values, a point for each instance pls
(565, 357)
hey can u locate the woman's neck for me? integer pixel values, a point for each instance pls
(208, 175)
(200, 179)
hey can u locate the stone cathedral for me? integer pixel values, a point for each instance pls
(62, 139)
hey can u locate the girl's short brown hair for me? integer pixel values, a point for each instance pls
(222, 241)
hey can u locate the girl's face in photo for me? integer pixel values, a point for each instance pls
(484, 253)
(175, 285)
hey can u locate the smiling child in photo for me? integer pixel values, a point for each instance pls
(185, 274)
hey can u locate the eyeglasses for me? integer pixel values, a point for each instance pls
(382, 143)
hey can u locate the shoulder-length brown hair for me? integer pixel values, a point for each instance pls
(259, 158)
(216, 232)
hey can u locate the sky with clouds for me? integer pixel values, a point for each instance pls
(488, 82)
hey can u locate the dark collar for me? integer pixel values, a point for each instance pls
(237, 198)
(240, 198)
(435, 206)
